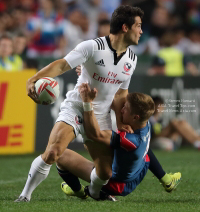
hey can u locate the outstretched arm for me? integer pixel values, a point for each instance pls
(79, 55)
(91, 125)
(54, 69)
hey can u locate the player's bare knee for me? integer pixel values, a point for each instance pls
(51, 156)
(61, 161)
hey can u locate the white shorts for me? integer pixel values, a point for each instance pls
(72, 114)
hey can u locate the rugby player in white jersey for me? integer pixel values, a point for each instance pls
(107, 64)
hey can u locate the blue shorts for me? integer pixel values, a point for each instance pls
(122, 189)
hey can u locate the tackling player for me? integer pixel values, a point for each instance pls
(108, 64)
(131, 160)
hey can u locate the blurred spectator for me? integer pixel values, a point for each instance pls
(194, 41)
(72, 30)
(50, 34)
(6, 22)
(20, 17)
(92, 9)
(169, 137)
(8, 60)
(157, 67)
(176, 62)
(84, 24)
(180, 41)
(20, 48)
(103, 28)
(193, 15)
(45, 28)
(60, 52)
(20, 45)
(160, 21)
(110, 6)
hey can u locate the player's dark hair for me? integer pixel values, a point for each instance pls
(142, 105)
(157, 100)
(124, 14)
(6, 36)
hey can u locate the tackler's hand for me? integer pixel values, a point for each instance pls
(78, 70)
(124, 128)
(87, 94)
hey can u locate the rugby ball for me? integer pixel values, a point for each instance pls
(47, 90)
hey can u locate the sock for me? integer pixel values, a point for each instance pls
(155, 166)
(96, 184)
(197, 144)
(166, 179)
(38, 172)
(72, 180)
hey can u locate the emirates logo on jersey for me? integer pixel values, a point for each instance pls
(127, 67)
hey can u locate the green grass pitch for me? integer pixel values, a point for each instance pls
(149, 195)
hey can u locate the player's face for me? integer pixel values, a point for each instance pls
(133, 35)
(126, 113)
(6, 47)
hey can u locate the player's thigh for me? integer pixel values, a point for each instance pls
(76, 164)
(61, 135)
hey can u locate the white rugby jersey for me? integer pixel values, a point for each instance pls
(101, 69)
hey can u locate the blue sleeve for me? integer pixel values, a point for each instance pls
(29, 25)
(124, 140)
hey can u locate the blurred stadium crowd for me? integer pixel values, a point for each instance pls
(32, 29)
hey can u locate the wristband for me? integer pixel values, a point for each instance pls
(87, 106)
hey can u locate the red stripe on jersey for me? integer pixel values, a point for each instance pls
(147, 159)
(50, 93)
(125, 143)
(115, 187)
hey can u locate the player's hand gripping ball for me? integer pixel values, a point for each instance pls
(47, 90)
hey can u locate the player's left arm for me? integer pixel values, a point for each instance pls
(117, 105)
(124, 140)
(90, 123)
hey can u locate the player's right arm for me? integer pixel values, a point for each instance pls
(91, 125)
(54, 69)
(79, 55)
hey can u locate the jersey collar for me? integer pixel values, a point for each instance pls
(116, 59)
(141, 130)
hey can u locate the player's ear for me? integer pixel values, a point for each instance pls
(124, 28)
(136, 117)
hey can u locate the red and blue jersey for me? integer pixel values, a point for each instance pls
(130, 153)
(49, 30)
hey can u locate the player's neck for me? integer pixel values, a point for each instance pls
(117, 43)
(137, 125)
